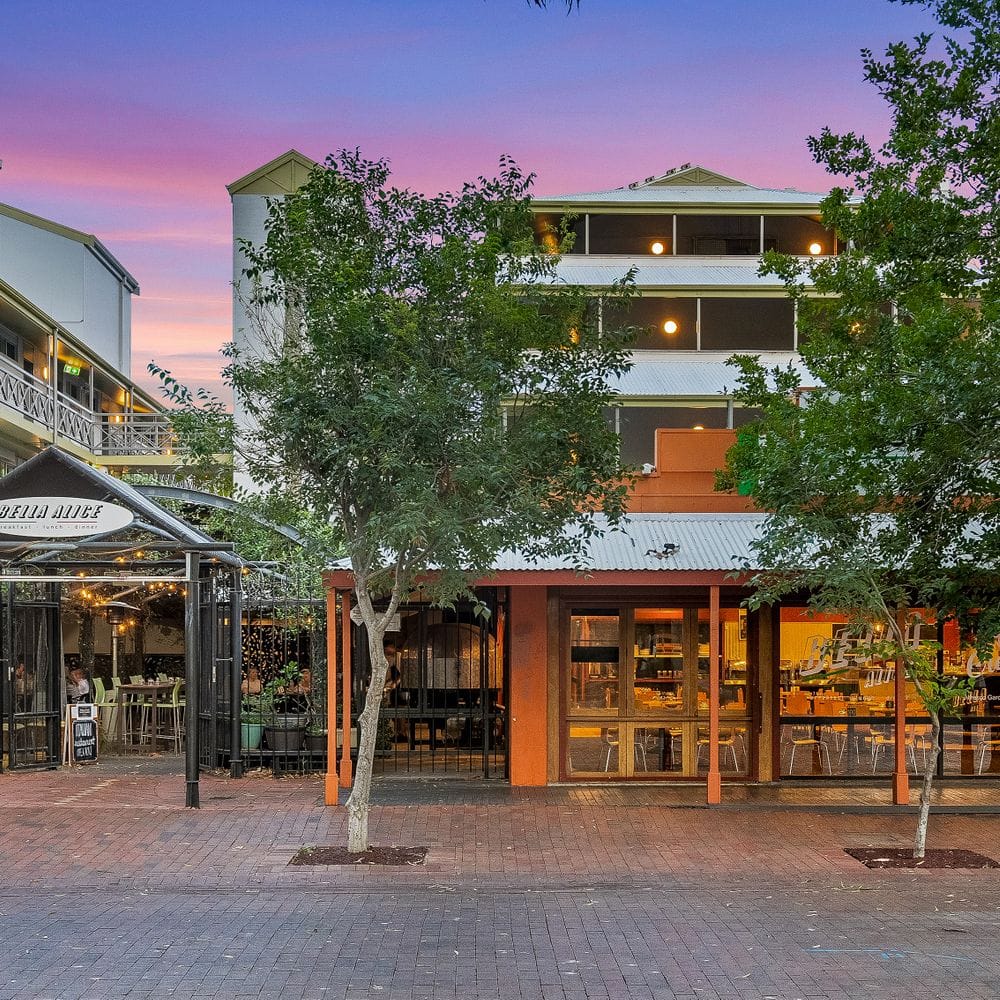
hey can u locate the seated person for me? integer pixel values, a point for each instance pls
(77, 686)
(24, 688)
(251, 683)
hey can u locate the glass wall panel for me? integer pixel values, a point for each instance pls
(838, 704)
(718, 235)
(735, 675)
(548, 231)
(970, 740)
(734, 744)
(660, 657)
(658, 749)
(747, 324)
(797, 234)
(659, 661)
(743, 415)
(632, 234)
(594, 661)
(666, 324)
(592, 750)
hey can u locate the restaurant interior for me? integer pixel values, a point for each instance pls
(636, 698)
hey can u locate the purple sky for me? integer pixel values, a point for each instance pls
(128, 120)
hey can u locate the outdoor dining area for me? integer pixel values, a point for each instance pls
(141, 715)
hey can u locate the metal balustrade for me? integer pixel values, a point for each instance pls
(101, 433)
(137, 434)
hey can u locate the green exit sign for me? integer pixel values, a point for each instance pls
(71, 369)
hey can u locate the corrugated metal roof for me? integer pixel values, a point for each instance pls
(693, 273)
(704, 542)
(717, 542)
(696, 194)
(686, 373)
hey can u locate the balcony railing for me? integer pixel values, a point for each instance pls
(106, 434)
(137, 434)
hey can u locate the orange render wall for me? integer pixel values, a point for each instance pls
(684, 480)
(528, 685)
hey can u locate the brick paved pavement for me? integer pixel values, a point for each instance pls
(108, 888)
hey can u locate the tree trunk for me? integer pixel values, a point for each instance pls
(139, 645)
(357, 804)
(930, 769)
(87, 641)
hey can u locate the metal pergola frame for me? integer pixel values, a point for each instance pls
(56, 473)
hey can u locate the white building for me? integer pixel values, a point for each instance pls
(66, 351)
(250, 196)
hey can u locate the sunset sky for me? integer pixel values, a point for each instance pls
(128, 119)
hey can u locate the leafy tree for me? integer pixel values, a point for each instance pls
(883, 480)
(204, 428)
(419, 379)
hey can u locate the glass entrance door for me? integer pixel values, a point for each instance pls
(637, 693)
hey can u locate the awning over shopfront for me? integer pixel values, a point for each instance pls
(689, 548)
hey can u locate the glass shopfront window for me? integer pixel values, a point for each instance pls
(637, 692)
(595, 637)
(970, 738)
(838, 704)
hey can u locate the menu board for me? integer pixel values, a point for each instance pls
(80, 736)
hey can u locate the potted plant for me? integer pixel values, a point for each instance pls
(315, 737)
(316, 730)
(255, 711)
(286, 729)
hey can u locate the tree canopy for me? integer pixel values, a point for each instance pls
(418, 377)
(883, 479)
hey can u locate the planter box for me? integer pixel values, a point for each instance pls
(286, 734)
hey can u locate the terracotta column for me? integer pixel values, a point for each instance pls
(900, 779)
(332, 790)
(528, 686)
(346, 767)
(714, 792)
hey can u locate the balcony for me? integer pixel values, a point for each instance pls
(137, 434)
(53, 415)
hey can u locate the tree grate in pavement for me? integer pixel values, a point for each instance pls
(902, 857)
(396, 856)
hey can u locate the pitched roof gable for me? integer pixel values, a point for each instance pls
(690, 175)
(282, 175)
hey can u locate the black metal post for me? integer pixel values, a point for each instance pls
(236, 675)
(56, 709)
(484, 698)
(7, 672)
(192, 672)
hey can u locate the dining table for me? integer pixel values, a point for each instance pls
(138, 696)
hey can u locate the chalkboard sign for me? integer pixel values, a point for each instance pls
(80, 740)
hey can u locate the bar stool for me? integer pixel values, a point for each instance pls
(174, 710)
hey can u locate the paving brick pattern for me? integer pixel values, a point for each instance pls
(109, 888)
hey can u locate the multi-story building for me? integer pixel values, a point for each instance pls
(66, 351)
(649, 666)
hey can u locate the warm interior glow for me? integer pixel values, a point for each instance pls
(698, 427)
(815, 248)
(670, 326)
(656, 247)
